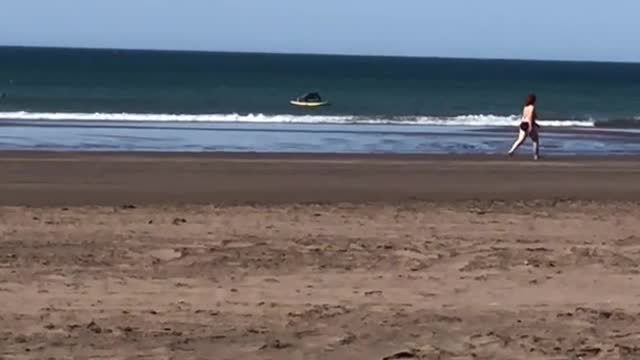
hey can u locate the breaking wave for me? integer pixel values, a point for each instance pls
(463, 120)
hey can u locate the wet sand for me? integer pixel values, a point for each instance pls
(56, 179)
(318, 257)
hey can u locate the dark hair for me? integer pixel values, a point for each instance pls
(530, 100)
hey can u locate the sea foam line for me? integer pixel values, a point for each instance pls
(463, 120)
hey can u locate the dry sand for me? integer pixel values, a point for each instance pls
(368, 274)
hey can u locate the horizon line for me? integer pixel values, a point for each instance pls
(293, 53)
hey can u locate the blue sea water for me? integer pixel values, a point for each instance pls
(71, 99)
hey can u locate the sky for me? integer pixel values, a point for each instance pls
(543, 29)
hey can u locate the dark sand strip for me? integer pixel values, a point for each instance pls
(56, 179)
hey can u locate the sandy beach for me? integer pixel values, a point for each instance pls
(221, 256)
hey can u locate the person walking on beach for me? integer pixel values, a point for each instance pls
(528, 127)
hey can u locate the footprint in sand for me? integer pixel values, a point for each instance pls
(166, 254)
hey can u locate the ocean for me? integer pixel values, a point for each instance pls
(77, 99)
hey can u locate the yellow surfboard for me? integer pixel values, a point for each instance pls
(309, 103)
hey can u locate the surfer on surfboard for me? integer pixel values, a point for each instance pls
(309, 100)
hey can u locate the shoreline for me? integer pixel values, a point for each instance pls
(303, 138)
(115, 179)
(159, 155)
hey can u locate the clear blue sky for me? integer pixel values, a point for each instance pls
(542, 29)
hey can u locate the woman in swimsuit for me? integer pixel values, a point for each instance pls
(528, 127)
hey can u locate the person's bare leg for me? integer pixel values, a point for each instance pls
(536, 144)
(522, 136)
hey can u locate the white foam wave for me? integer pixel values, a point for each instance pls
(493, 120)
(464, 120)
